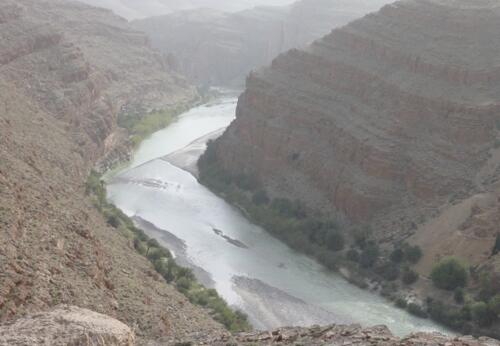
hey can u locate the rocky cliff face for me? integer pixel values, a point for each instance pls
(381, 122)
(214, 47)
(66, 73)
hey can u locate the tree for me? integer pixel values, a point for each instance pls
(369, 255)
(260, 197)
(496, 247)
(335, 241)
(494, 304)
(152, 243)
(458, 295)
(413, 254)
(482, 314)
(409, 276)
(397, 255)
(449, 274)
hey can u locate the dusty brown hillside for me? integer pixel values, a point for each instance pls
(66, 72)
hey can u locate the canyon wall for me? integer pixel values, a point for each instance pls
(383, 121)
(67, 71)
(219, 48)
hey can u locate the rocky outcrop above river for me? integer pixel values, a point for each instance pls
(349, 335)
(395, 111)
(219, 48)
(67, 325)
(67, 71)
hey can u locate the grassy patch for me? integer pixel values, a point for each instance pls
(182, 278)
(140, 125)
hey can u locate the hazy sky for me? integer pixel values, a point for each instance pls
(134, 9)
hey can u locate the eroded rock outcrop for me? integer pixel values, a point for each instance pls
(67, 325)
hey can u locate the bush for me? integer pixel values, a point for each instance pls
(459, 295)
(401, 303)
(494, 304)
(409, 276)
(397, 255)
(412, 254)
(449, 274)
(389, 271)
(417, 310)
(496, 247)
(369, 255)
(260, 197)
(335, 241)
(353, 255)
(482, 314)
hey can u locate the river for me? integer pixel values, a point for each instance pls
(253, 271)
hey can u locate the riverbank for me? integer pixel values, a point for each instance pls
(214, 233)
(183, 279)
(358, 260)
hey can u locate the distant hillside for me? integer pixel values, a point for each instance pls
(218, 48)
(136, 9)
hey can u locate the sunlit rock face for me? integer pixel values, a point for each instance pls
(215, 47)
(380, 120)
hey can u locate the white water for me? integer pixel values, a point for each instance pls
(282, 286)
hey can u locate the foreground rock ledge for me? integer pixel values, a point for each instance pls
(337, 335)
(67, 325)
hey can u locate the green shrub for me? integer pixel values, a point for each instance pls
(401, 303)
(369, 255)
(494, 304)
(417, 310)
(388, 270)
(449, 274)
(459, 295)
(496, 246)
(260, 197)
(397, 255)
(412, 254)
(335, 241)
(353, 255)
(409, 276)
(482, 314)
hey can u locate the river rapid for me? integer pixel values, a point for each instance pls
(253, 271)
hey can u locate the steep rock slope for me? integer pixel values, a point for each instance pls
(66, 73)
(214, 47)
(382, 121)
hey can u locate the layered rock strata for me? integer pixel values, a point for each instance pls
(380, 121)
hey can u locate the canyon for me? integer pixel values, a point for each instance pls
(214, 47)
(390, 121)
